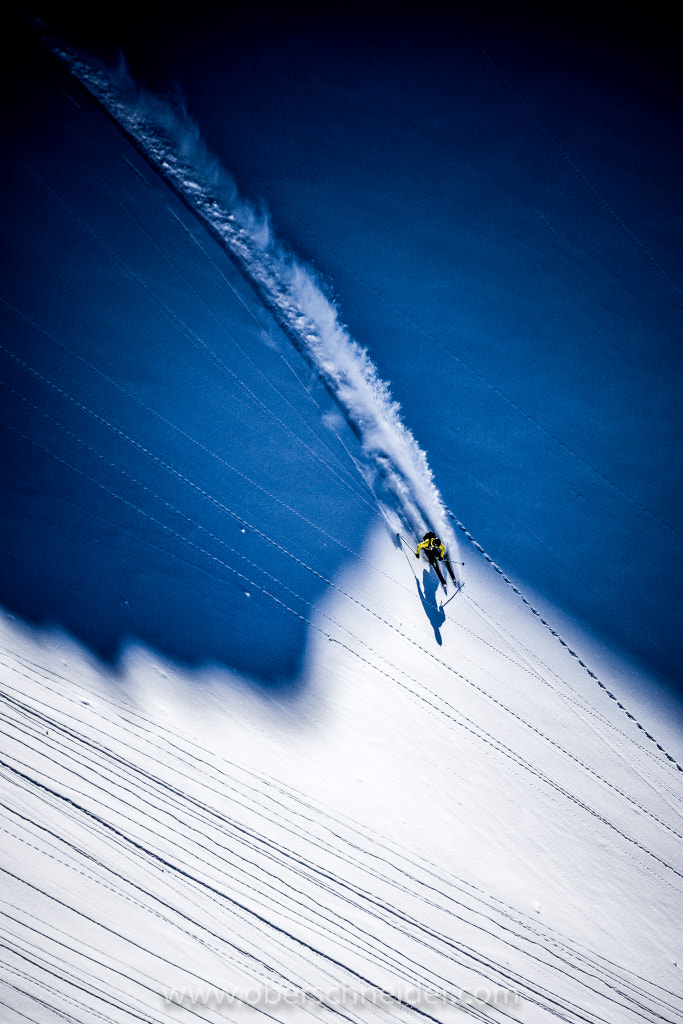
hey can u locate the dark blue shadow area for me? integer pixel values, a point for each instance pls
(430, 605)
(166, 475)
(495, 196)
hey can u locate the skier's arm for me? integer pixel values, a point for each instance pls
(420, 546)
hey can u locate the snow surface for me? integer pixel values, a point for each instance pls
(243, 749)
(475, 815)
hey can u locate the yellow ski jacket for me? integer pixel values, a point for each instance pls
(433, 544)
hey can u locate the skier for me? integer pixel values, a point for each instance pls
(435, 552)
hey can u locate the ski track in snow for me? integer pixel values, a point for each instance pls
(393, 465)
(270, 886)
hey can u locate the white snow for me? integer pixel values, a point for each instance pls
(420, 820)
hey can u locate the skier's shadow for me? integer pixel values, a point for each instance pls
(432, 609)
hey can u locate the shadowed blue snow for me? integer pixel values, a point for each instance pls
(499, 217)
(167, 473)
(393, 466)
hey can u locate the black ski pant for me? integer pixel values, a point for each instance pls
(434, 561)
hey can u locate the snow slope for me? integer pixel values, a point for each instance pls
(242, 751)
(475, 815)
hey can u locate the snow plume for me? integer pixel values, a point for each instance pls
(392, 464)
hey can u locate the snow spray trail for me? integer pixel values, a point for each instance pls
(392, 463)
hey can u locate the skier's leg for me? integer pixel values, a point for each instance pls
(439, 573)
(450, 568)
